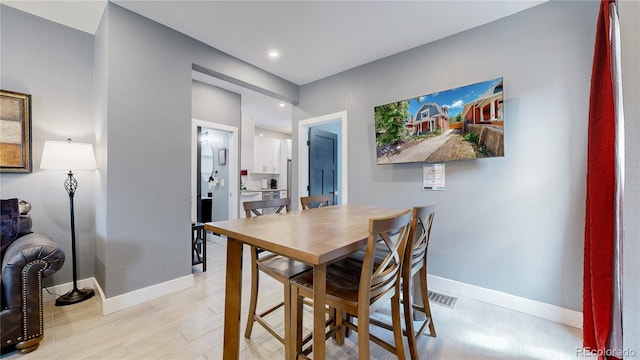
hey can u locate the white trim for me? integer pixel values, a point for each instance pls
(123, 301)
(234, 173)
(436, 283)
(53, 292)
(303, 160)
(508, 301)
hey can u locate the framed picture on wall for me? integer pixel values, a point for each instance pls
(222, 156)
(15, 132)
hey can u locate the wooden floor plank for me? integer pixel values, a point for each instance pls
(188, 325)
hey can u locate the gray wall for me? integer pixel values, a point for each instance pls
(512, 224)
(148, 124)
(101, 88)
(133, 214)
(54, 64)
(213, 104)
(148, 113)
(630, 33)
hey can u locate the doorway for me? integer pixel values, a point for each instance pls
(335, 123)
(214, 171)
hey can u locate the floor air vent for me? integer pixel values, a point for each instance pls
(440, 299)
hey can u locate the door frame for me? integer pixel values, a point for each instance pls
(303, 154)
(232, 155)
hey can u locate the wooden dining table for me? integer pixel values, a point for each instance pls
(316, 237)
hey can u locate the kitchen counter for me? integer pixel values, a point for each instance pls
(262, 190)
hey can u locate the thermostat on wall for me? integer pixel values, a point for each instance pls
(433, 177)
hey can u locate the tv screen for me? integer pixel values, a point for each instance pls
(456, 124)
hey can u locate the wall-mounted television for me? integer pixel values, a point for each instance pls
(462, 123)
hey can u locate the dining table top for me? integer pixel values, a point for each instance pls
(313, 236)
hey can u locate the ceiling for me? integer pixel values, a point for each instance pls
(315, 39)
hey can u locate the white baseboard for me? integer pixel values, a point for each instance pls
(508, 301)
(121, 302)
(53, 292)
(139, 296)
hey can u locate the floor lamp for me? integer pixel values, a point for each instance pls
(68, 155)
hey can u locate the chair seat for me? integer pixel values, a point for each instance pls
(281, 267)
(343, 279)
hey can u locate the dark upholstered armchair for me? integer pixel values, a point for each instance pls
(27, 258)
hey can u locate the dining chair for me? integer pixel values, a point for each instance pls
(415, 262)
(359, 288)
(309, 202)
(278, 267)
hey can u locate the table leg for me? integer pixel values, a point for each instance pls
(319, 301)
(232, 300)
(291, 337)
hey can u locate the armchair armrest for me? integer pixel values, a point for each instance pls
(26, 261)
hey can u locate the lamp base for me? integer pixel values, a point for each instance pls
(75, 296)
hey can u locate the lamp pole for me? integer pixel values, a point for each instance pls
(75, 295)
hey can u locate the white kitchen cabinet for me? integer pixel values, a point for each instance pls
(266, 155)
(288, 144)
(246, 141)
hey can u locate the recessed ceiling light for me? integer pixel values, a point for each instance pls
(274, 54)
(281, 105)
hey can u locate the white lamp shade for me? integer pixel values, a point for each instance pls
(67, 155)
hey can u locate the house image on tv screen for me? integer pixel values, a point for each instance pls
(428, 118)
(456, 124)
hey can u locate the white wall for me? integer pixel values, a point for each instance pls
(512, 224)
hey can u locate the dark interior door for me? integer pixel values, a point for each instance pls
(323, 163)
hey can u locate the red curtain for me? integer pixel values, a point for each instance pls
(600, 220)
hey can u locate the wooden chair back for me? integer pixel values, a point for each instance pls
(380, 278)
(415, 258)
(256, 208)
(308, 202)
(379, 281)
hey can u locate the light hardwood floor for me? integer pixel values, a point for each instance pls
(188, 325)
